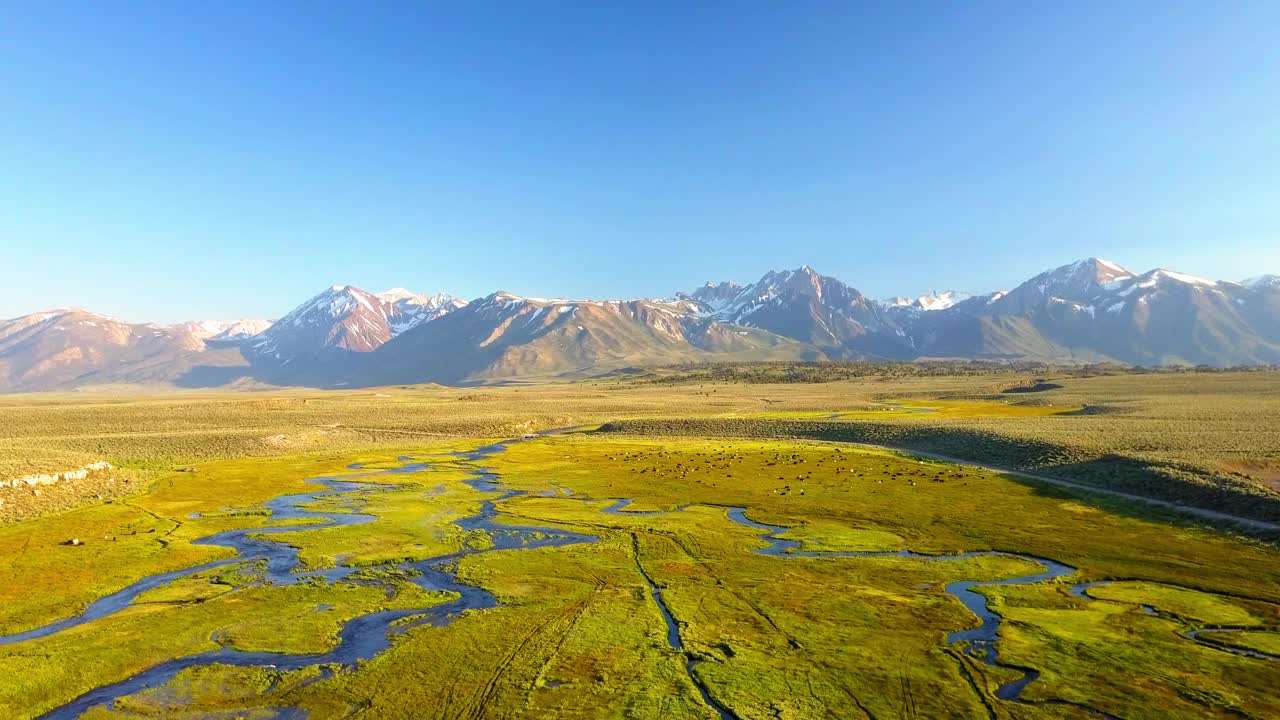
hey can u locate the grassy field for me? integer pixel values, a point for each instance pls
(1215, 431)
(576, 632)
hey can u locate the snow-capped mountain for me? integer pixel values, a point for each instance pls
(1163, 317)
(412, 309)
(712, 297)
(505, 335)
(1074, 283)
(327, 332)
(1090, 310)
(932, 301)
(804, 305)
(1097, 310)
(341, 320)
(225, 331)
(1262, 282)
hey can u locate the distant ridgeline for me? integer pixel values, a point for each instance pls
(1089, 312)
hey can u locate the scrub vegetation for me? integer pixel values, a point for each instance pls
(657, 603)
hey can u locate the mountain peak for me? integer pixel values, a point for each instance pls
(803, 305)
(1077, 279)
(402, 298)
(410, 309)
(1160, 273)
(712, 296)
(1262, 282)
(1099, 270)
(932, 301)
(397, 293)
(342, 318)
(1103, 262)
(224, 330)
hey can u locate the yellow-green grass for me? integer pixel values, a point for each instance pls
(933, 507)
(785, 637)
(1190, 605)
(1114, 656)
(822, 535)
(796, 636)
(1186, 416)
(1258, 640)
(241, 483)
(45, 579)
(197, 587)
(1185, 427)
(1096, 541)
(934, 409)
(207, 688)
(576, 637)
(412, 524)
(45, 673)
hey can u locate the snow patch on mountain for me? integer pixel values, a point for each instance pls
(1183, 278)
(932, 301)
(1157, 279)
(224, 330)
(1262, 282)
(412, 309)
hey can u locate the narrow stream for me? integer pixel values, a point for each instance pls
(980, 641)
(281, 560)
(366, 636)
(1081, 590)
(673, 635)
(361, 638)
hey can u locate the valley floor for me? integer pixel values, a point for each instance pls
(430, 570)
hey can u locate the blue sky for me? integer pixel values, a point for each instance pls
(165, 161)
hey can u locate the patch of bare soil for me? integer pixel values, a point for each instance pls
(1265, 473)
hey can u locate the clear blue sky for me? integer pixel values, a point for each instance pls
(173, 160)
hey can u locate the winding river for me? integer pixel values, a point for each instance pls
(366, 636)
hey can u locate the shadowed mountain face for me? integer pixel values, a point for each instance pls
(410, 309)
(324, 340)
(1091, 310)
(1095, 310)
(815, 309)
(340, 319)
(712, 296)
(506, 336)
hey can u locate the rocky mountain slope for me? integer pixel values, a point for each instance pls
(1097, 310)
(219, 332)
(505, 336)
(324, 337)
(815, 309)
(73, 346)
(1090, 310)
(924, 303)
(413, 309)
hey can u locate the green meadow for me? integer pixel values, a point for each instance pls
(1187, 626)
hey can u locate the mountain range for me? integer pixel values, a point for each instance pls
(1092, 310)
